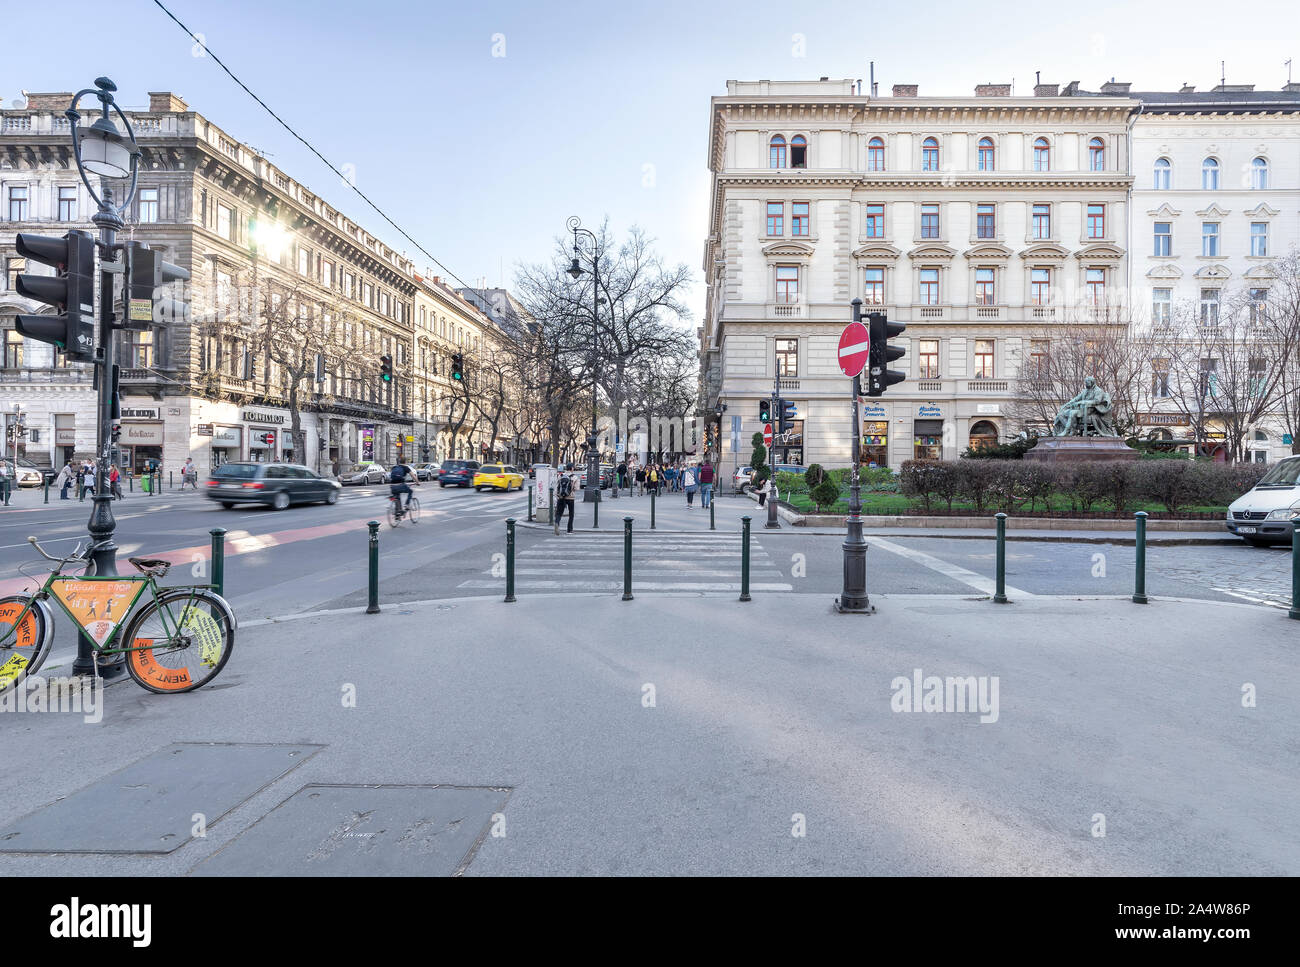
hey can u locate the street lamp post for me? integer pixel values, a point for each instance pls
(100, 149)
(591, 493)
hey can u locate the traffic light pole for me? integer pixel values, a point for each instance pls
(853, 598)
(773, 523)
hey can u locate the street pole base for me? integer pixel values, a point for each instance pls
(1001, 599)
(772, 526)
(1140, 599)
(510, 599)
(845, 605)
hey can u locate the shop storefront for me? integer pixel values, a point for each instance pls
(141, 441)
(927, 433)
(227, 444)
(874, 441)
(65, 437)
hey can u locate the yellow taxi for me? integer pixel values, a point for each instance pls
(497, 477)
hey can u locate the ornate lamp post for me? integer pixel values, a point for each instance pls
(591, 493)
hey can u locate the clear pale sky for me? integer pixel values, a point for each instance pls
(482, 158)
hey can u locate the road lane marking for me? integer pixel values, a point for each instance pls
(954, 571)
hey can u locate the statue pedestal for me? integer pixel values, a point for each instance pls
(1080, 449)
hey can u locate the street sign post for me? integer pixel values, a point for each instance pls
(855, 349)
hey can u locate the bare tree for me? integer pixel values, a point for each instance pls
(1282, 322)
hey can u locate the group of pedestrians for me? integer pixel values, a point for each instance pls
(641, 479)
(83, 477)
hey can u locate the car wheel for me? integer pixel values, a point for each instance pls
(1257, 541)
(281, 500)
(333, 497)
(227, 504)
(442, 486)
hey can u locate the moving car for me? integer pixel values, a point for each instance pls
(457, 473)
(29, 475)
(277, 484)
(426, 471)
(495, 476)
(364, 473)
(1263, 515)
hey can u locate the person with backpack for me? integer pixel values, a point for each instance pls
(622, 474)
(640, 481)
(564, 501)
(688, 481)
(397, 478)
(706, 483)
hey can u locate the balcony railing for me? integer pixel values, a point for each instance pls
(988, 312)
(929, 386)
(793, 310)
(24, 375)
(987, 386)
(931, 312)
(1044, 312)
(789, 383)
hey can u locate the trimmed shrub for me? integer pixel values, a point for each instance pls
(1174, 483)
(825, 493)
(918, 481)
(814, 476)
(1015, 450)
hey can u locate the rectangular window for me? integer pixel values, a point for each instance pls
(787, 357)
(928, 295)
(984, 291)
(148, 205)
(13, 349)
(1209, 307)
(776, 218)
(17, 203)
(928, 359)
(1160, 378)
(930, 155)
(1259, 238)
(225, 221)
(1096, 221)
(327, 273)
(1209, 377)
(13, 268)
(367, 295)
(304, 261)
(1038, 357)
(1164, 238)
(1040, 286)
(787, 284)
(983, 358)
(799, 218)
(1258, 310)
(986, 221)
(1042, 221)
(875, 221)
(1161, 306)
(1095, 281)
(1209, 238)
(349, 280)
(929, 221)
(67, 204)
(1257, 375)
(139, 349)
(874, 290)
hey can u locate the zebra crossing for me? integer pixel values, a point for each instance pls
(587, 562)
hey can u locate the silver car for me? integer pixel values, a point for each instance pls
(364, 473)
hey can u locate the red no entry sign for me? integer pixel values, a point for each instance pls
(767, 434)
(855, 347)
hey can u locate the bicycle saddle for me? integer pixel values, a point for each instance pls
(150, 566)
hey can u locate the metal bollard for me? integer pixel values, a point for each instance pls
(551, 500)
(171, 483)
(5, 482)
(652, 510)
(744, 559)
(131, 480)
(1140, 572)
(530, 504)
(627, 558)
(595, 511)
(713, 524)
(372, 607)
(1000, 595)
(510, 560)
(1295, 570)
(219, 559)
(47, 488)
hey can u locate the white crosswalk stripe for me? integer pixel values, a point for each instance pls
(668, 562)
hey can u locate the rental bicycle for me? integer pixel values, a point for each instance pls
(176, 641)
(397, 513)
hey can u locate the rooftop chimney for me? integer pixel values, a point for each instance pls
(992, 90)
(1116, 87)
(906, 90)
(160, 101)
(1046, 90)
(1071, 89)
(49, 102)
(1236, 88)
(1291, 87)
(1187, 89)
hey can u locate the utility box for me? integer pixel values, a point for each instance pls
(543, 484)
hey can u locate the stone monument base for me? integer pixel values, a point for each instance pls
(1080, 449)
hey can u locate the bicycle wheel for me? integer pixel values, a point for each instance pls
(393, 519)
(413, 511)
(24, 642)
(179, 641)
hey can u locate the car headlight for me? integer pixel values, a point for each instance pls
(1290, 513)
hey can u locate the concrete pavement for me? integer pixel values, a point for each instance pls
(696, 734)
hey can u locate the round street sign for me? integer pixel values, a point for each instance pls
(767, 435)
(855, 347)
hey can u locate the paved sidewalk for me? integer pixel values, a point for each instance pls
(693, 734)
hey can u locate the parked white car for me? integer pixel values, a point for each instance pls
(1263, 515)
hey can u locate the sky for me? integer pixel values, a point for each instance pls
(481, 127)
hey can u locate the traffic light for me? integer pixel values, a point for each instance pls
(248, 365)
(320, 367)
(787, 414)
(147, 301)
(71, 292)
(765, 411)
(386, 368)
(457, 366)
(879, 377)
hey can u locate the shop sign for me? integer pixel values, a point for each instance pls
(140, 413)
(203, 429)
(929, 409)
(228, 437)
(142, 434)
(986, 408)
(256, 416)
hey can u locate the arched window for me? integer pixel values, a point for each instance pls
(1042, 155)
(986, 160)
(776, 152)
(1160, 174)
(1096, 155)
(983, 434)
(875, 155)
(1259, 174)
(1209, 175)
(929, 155)
(798, 151)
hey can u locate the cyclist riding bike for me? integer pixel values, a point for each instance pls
(401, 472)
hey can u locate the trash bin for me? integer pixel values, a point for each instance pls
(146, 482)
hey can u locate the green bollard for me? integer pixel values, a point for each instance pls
(6, 490)
(595, 511)
(530, 504)
(219, 559)
(1000, 595)
(130, 479)
(47, 488)
(652, 510)
(171, 483)
(551, 500)
(744, 559)
(627, 558)
(372, 607)
(1295, 570)
(510, 560)
(1140, 572)
(713, 525)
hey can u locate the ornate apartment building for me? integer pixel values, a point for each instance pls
(982, 223)
(268, 259)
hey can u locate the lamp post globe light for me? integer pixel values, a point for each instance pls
(101, 149)
(590, 493)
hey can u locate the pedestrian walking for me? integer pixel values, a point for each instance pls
(688, 481)
(189, 474)
(115, 482)
(640, 481)
(622, 474)
(564, 501)
(706, 483)
(65, 480)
